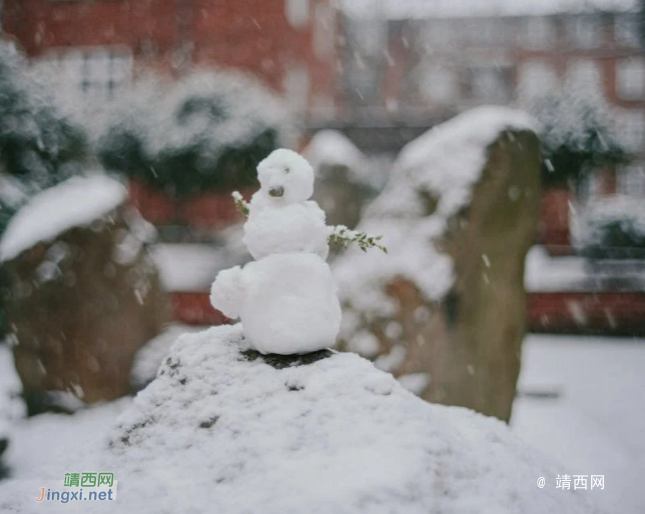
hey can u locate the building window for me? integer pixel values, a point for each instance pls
(538, 33)
(626, 30)
(97, 72)
(323, 30)
(490, 83)
(536, 78)
(631, 180)
(297, 12)
(583, 31)
(630, 79)
(438, 84)
(296, 87)
(585, 73)
(440, 35)
(487, 32)
(630, 126)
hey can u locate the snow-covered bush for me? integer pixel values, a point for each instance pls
(611, 227)
(38, 142)
(207, 131)
(577, 134)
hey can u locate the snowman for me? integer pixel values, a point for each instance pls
(286, 299)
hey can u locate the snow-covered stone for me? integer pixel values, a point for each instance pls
(76, 202)
(332, 148)
(441, 166)
(223, 429)
(447, 301)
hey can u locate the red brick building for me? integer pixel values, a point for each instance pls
(98, 47)
(102, 44)
(416, 63)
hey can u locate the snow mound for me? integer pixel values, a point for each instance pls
(76, 202)
(223, 429)
(431, 180)
(332, 148)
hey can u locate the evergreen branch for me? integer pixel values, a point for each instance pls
(240, 203)
(344, 236)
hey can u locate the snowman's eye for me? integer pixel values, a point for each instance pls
(287, 170)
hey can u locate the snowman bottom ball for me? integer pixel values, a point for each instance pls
(291, 304)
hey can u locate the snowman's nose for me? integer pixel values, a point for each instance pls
(276, 192)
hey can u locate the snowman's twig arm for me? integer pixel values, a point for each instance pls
(344, 236)
(337, 234)
(240, 203)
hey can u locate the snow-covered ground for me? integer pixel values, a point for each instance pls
(596, 424)
(581, 401)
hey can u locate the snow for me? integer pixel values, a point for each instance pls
(218, 432)
(593, 426)
(576, 117)
(12, 191)
(76, 202)
(287, 298)
(544, 273)
(205, 113)
(281, 220)
(297, 227)
(228, 292)
(288, 170)
(291, 304)
(592, 223)
(396, 9)
(332, 148)
(49, 445)
(442, 165)
(11, 407)
(595, 421)
(149, 358)
(189, 267)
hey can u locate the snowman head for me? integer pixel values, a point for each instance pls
(286, 177)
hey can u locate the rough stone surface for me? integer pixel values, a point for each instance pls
(79, 307)
(464, 344)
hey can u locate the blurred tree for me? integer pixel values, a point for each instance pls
(39, 146)
(577, 135)
(205, 132)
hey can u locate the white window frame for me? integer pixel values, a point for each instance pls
(630, 79)
(627, 30)
(538, 33)
(585, 72)
(324, 30)
(537, 77)
(296, 85)
(297, 13)
(631, 179)
(447, 92)
(630, 127)
(489, 94)
(95, 72)
(584, 31)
